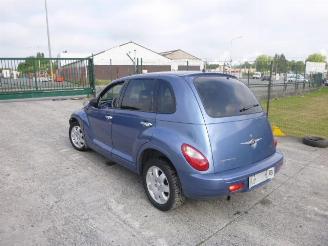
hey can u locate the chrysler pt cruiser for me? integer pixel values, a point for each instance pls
(188, 134)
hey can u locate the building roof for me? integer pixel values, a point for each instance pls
(128, 53)
(178, 55)
(130, 42)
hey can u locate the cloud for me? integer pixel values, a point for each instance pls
(204, 28)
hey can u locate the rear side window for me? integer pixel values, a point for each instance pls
(139, 95)
(166, 100)
(223, 97)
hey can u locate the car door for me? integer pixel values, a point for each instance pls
(134, 120)
(100, 117)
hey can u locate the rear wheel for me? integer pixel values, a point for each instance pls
(76, 136)
(162, 185)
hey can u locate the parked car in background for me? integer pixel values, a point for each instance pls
(5, 73)
(300, 78)
(295, 78)
(290, 77)
(59, 79)
(196, 135)
(256, 75)
(43, 79)
(325, 82)
(265, 78)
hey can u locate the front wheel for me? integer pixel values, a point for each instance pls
(76, 136)
(162, 185)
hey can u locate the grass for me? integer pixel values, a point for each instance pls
(301, 115)
(102, 81)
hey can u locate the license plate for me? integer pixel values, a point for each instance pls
(260, 177)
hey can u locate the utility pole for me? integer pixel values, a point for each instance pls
(230, 50)
(48, 35)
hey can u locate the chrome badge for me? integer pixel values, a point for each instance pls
(252, 142)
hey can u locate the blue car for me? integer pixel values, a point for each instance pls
(188, 134)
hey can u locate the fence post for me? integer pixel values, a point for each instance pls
(141, 68)
(269, 89)
(187, 65)
(296, 81)
(304, 80)
(285, 82)
(92, 76)
(110, 69)
(248, 77)
(35, 75)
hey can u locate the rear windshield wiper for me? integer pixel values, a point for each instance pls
(248, 107)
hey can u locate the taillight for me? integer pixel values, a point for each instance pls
(194, 157)
(275, 142)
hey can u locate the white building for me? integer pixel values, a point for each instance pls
(124, 59)
(315, 67)
(182, 60)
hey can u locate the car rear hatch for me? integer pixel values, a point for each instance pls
(238, 129)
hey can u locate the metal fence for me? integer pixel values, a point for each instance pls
(295, 101)
(44, 77)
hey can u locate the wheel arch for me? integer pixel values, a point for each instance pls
(73, 119)
(148, 152)
(80, 117)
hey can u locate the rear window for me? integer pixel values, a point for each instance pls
(166, 100)
(223, 97)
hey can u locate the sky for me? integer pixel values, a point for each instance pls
(209, 29)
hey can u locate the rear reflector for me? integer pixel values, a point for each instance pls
(275, 142)
(236, 187)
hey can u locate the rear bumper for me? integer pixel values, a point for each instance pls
(196, 185)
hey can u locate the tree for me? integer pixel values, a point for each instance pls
(32, 65)
(263, 63)
(280, 63)
(316, 57)
(246, 64)
(296, 66)
(299, 67)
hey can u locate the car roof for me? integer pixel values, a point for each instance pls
(177, 74)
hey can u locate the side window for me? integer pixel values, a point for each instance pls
(166, 99)
(107, 99)
(139, 95)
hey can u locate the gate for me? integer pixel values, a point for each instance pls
(46, 77)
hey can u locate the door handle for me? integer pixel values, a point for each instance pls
(109, 117)
(146, 123)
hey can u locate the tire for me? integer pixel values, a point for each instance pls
(171, 183)
(76, 137)
(315, 141)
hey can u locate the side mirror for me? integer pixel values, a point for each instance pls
(93, 103)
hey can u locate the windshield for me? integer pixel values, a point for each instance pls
(222, 97)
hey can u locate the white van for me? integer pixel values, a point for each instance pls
(256, 75)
